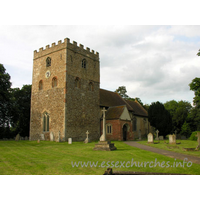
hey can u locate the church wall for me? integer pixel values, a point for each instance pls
(82, 103)
(51, 100)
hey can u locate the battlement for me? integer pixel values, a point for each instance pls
(66, 44)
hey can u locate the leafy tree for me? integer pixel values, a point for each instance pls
(195, 86)
(179, 112)
(185, 129)
(5, 85)
(160, 118)
(21, 99)
(198, 54)
(122, 92)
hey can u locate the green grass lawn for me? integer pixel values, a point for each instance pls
(30, 157)
(176, 148)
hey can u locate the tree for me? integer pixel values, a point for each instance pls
(179, 112)
(5, 85)
(198, 54)
(185, 129)
(160, 118)
(122, 92)
(21, 99)
(195, 86)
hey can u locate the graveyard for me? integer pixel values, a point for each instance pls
(56, 158)
(179, 147)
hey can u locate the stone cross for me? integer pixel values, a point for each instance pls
(87, 133)
(198, 139)
(157, 138)
(87, 139)
(103, 137)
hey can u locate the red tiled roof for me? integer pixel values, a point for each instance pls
(114, 112)
(110, 99)
(113, 99)
(138, 109)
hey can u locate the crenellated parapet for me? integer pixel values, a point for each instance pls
(66, 45)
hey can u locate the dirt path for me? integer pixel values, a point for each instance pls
(164, 152)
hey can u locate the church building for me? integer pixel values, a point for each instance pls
(66, 100)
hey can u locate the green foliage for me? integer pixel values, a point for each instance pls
(198, 54)
(185, 129)
(195, 86)
(193, 136)
(160, 118)
(179, 112)
(122, 92)
(5, 107)
(21, 99)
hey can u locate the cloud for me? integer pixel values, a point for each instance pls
(153, 62)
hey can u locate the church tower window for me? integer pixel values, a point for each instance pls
(84, 63)
(54, 82)
(91, 86)
(48, 62)
(40, 85)
(45, 122)
(77, 83)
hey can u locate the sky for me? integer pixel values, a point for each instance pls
(155, 63)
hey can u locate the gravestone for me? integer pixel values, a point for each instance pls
(87, 140)
(42, 137)
(198, 140)
(26, 138)
(183, 137)
(150, 138)
(69, 140)
(157, 138)
(172, 139)
(17, 138)
(59, 140)
(161, 137)
(38, 141)
(51, 136)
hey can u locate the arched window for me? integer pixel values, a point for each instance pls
(91, 86)
(108, 129)
(77, 82)
(84, 63)
(40, 85)
(54, 82)
(48, 62)
(45, 122)
(134, 124)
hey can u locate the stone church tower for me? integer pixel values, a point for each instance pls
(65, 93)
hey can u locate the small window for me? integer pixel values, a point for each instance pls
(54, 82)
(41, 85)
(45, 122)
(48, 62)
(77, 83)
(91, 86)
(84, 63)
(108, 129)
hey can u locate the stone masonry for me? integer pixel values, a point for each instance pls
(72, 105)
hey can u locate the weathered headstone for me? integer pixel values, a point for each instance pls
(42, 136)
(150, 138)
(87, 138)
(17, 138)
(59, 140)
(172, 139)
(38, 141)
(157, 138)
(26, 138)
(69, 140)
(161, 137)
(51, 136)
(198, 140)
(183, 137)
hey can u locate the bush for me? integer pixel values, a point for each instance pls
(193, 136)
